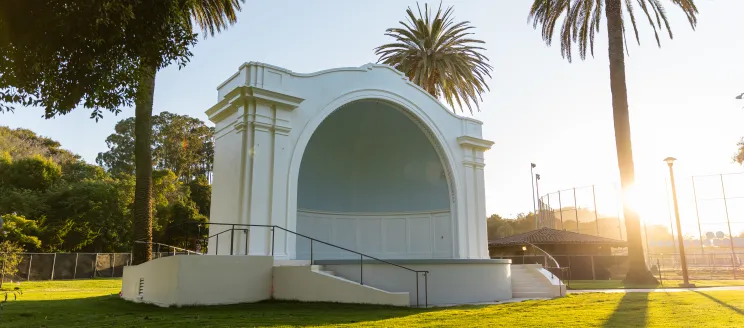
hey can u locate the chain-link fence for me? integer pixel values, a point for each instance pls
(700, 266)
(591, 210)
(582, 267)
(719, 209)
(708, 266)
(53, 266)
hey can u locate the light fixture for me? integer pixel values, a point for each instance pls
(524, 248)
(683, 258)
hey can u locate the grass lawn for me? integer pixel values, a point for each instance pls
(90, 303)
(616, 284)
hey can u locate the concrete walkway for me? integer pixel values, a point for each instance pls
(657, 290)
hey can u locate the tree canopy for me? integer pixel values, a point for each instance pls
(53, 201)
(180, 143)
(63, 54)
(439, 55)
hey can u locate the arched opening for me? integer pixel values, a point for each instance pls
(370, 180)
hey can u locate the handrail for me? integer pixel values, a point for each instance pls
(169, 246)
(361, 255)
(557, 266)
(548, 254)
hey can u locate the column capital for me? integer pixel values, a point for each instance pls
(239, 95)
(475, 143)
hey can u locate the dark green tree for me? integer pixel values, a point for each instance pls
(180, 143)
(201, 193)
(33, 173)
(102, 55)
(21, 231)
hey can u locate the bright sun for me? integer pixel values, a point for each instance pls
(641, 202)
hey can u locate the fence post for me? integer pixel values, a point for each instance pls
(697, 214)
(576, 210)
(560, 208)
(361, 270)
(232, 239)
(54, 262)
(30, 260)
(95, 265)
(74, 271)
(596, 219)
(728, 222)
(594, 276)
(711, 263)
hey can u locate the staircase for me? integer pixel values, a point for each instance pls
(532, 281)
(295, 280)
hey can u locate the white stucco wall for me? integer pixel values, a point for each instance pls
(449, 282)
(405, 235)
(200, 280)
(302, 283)
(160, 285)
(265, 118)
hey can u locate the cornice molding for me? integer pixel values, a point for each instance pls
(233, 98)
(476, 143)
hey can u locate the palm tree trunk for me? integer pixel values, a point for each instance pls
(142, 224)
(637, 270)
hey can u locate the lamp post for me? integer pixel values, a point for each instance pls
(532, 183)
(537, 187)
(683, 259)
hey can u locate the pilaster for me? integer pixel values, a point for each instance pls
(475, 199)
(263, 123)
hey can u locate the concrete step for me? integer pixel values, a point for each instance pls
(526, 283)
(533, 289)
(291, 263)
(527, 279)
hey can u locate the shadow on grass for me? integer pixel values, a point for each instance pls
(116, 312)
(630, 312)
(731, 307)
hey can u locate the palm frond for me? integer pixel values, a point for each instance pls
(213, 16)
(581, 20)
(439, 55)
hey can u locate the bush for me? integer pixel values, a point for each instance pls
(10, 257)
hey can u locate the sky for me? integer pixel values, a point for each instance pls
(541, 108)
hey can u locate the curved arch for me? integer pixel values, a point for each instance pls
(409, 109)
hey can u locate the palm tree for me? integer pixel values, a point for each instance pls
(581, 21)
(212, 16)
(439, 56)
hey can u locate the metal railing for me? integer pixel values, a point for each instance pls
(246, 228)
(156, 248)
(557, 267)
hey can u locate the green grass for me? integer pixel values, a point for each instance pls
(616, 284)
(90, 303)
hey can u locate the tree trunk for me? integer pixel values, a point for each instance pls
(142, 224)
(637, 270)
